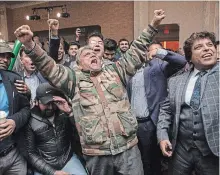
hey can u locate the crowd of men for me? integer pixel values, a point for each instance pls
(92, 110)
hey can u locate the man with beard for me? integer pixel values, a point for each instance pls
(50, 137)
(100, 104)
(70, 58)
(123, 46)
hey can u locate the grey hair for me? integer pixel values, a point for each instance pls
(79, 52)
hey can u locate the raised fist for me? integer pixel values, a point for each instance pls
(24, 34)
(53, 24)
(158, 17)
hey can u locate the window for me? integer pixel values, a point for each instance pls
(168, 35)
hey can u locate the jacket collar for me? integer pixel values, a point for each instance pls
(8, 84)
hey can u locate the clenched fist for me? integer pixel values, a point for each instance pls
(159, 15)
(54, 26)
(24, 35)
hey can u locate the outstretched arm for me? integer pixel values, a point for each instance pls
(59, 75)
(54, 42)
(137, 52)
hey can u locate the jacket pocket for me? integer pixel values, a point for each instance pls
(88, 95)
(93, 132)
(128, 123)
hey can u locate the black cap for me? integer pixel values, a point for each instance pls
(45, 93)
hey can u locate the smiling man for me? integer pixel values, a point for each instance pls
(123, 46)
(105, 123)
(192, 109)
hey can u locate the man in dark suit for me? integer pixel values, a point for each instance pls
(192, 110)
(146, 89)
(17, 109)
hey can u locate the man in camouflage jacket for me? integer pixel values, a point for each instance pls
(105, 123)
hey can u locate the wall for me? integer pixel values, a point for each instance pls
(192, 16)
(115, 18)
(3, 23)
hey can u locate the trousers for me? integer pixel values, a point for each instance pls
(126, 163)
(184, 162)
(13, 164)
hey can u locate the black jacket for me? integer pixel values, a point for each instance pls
(19, 109)
(49, 146)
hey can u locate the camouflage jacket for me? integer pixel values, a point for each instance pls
(104, 128)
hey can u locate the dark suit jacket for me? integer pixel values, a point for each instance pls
(19, 107)
(156, 74)
(39, 76)
(171, 108)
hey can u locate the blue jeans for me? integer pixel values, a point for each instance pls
(73, 166)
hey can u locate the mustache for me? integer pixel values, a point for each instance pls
(3, 66)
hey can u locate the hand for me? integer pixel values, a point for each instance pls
(158, 17)
(62, 104)
(24, 35)
(61, 173)
(151, 54)
(7, 128)
(21, 87)
(78, 32)
(34, 103)
(54, 26)
(166, 148)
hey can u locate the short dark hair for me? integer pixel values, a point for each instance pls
(74, 43)
(96, 34)
(155, 42)
(195, 36)
(110, 44)
(122, 39)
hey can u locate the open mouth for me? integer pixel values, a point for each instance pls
(207, 55)
(32, 66)
(96, 50)
(94, 61)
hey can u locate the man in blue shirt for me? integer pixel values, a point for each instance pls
(3, 97)
(17, 108)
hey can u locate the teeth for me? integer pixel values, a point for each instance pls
(206, 55)
(94, 61)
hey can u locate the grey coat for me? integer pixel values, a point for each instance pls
(171, 108)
